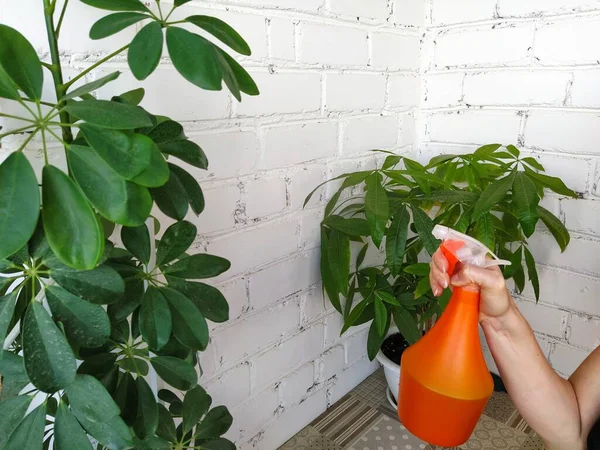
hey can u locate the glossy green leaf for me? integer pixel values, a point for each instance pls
(216, 423)
(407, 325)
(338, 259)
(156, 173)
(355, 314)
(376, 207)
(519, 278)
(486, 150)
(14, 376)
(553, 183)
(137, 241)
(195, 58)
(516, 259)
(187, 151)
(329, 283)
(145, 50)
(229, 77)
(68, 434)
(107, 114)
(126, 398)
(134, 365)
(219, 444)
(198, 266)
(133, 97)
(485, 231)
(8, 88)
(167, 131)
(450, 196)
(361, 255)
(532, 273)
(387, 298)
(189, 325)
(166, 425)
(113, 433)
(421, 269)
(176, 240)
(556, 227)
(172, 198)
(492, 195)
(131, 299)
(208, 299)
(113, 23)
(92, 86)
(85, 323)
(395, 244)
(7, 308)
(97, 365)
(168, 396)
(191, 188)
(381, 315)
(103, 285)
(12, 412)
(424, 226)
(530, 161)
(176, 372)
(513, 150)
(391, 161)
(20, 61)
(439, 159)
(118, 200)
(147, 415)
(88, 398)
(19, 203)
(351, 227)
(29, 434)
(117, 5)
(195, 404)
(181, 2)
(221, 31)
(375, 339)
(155, 319)
(243, 80)
(71, 227)
(525, 200)
(422, 287)
(48, 358)
(151, 443)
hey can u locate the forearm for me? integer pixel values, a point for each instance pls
(545, 400)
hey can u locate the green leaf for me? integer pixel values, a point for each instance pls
(421, 269)
(176, 372)
(89, 399)
(103, 285)
(12, 412)
(376, 207)
(439, 159)
(167, 131)
(85, 323)
(530, 161)
(107, 114)
(209, 300)
(221, 31)
(151, 443)
(117, 5)
(147, 416)
(29, 434)
(486, 151)
(166, 425)
(361, 255)
(19, 60)
(134, 365)
(515, 262)
(424, 226)
(92, 86)
(338, 259)
(189, 325)
(137, 241)
(48, 358)
(68, 434)
(351, 227)
(492, 195)
(176, 240)
(167, 396)
(155, 319)
(187, 151)
(112, 433)
(407, 325)
(219, 444)
(388, 298)
(558, 230)
(532, 273)
(329, 283)
(133, 97)
(391, 161)
(198, 266)
(450, 196)
(526, 200)
(8, 89)
(180, 2)
(126, 398)
(118, 200)
(381, 315)
(7, 309)
(513, 150)
(156, 173)
(71, 227)
(244, 81)
(145, 50)
(195, 58)
(485, 231)
(553, 183)
(191, 187)
(113, 23)
(422, 287)
(19, 203)
(519, 278)
(216, 423)
(14, 376)
(395, 245)
(172, 198)
(195, 404)
(355, 314)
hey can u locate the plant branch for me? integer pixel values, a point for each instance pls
(60, 19)
(93, 66)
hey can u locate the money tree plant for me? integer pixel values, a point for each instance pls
(87, 324)
(492, 194)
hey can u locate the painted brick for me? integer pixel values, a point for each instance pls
(584, 332)
(305, 5)
(277, 362)
(304, 97)
(333, 362)
(292, 144)
(409, 12)
(374, 9)
(295, 386)
(583, 92)
(256, 412)
(221, 202)
(484, 47)
(555, 130)
(404, 56)
(284, 279)
(566, 359)
(368, 133)
(572, 170)
(282, 42)
(237, 297)
(255, 332)
(345, 46)
(404, 90)
(443, 90)
(303, 182)
(351, 91)
(582, 216)
(351, 377)
(469, 11)
(561, 42)
(516, 88)
(315, 304)
(265, 196)
(334, 323)
(475, 127)
(231, 388)
(207, 360)
(535, 7)
(544, 319)
(310, 230)
(356, 347)
(579, 256)
(407, 129)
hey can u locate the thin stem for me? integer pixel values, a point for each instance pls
(57, 137)
(51, 105)
(176, 22)
(170, 12)
(24, 144)
(10, 116)
(44, 146)
(159, 10)
(29, 109)
(93, 66)
(62, 16)
(18, 130)
(60, 124)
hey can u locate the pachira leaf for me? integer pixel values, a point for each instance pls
(195, 58)
(85, 323)
(19, 203)
(375, 339)
(191, 187)
(406, 323)
(195, 404)
(532, 162)
(68, 434)
(107, 114)
(112, 433)
(29, 434)
(485, 231)
(117, 5)
(189, 325)
(387, 298)
(118, 200)
(166, 425)
(485, 151)
(395, 244)
(381, 315)
(376, 207)
(329, 282)
(113, 23)
(178, 373)
(176, 240)
(553, 183)
(49, 360)
(516, 261)
(221, 31)
(216, 423)
(103, 285)
(422, 287)
(92, 86)
(147, 416)
(450, 196)
(155, 319)
(492, 195)
(351, 227)
(421, 269)
(198, 266)
(7, 308)
(338, 259)
(352, 318)
(532, 273)
(526, 200)
(8, 89)
(519, 278)
(137, 241)
(556, 227)
(424, 226)
(439, 159)
(208, 299)
(20, 61)
(513, 150)
(12, 412)
(391, 161)
(145, 50)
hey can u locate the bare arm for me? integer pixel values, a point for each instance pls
(561, 411)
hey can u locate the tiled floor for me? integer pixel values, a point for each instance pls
(364, 420)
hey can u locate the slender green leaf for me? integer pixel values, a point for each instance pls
(191, 188)
(126, 398)
(89, 399)
(513, 150)
(68, 434)
(361, 255)
(107, 114)
(407, 325)
(376, 207)
(352, 318)
(387, 298)
(155, 319)
(439, 159)
(8, 89)
(351, 227)
(117, 5)
(189, 325)
(92, 86)
(556, 227)
(421, 269)
(375, 339)
(103, 285)
(209, 300)
(553, 183)
(329, 283)
(145, 50)
(516, 259)
(216, 423)
(530, 161)
(391, 161)
(532, 273)
(133, 97)
(113, 433)
(381, 315)
(166, 425)
(492, 195)
(181, 2)
(485, 231)
(486, 151)
(519, 278)
(424, 226)
(195, 404)
(19, 60)
(451, 196)
(7, 309)
(137, 241)
(12, 412)
(525, 200)
(243, 80)
(113, 23)
(176, 240)
(187, 151)
(147, 417)
(221, 31)
(422, 287)
(338, 254)
(14, 376)
(178, 373)
(198, 266)
(396, 240)
(219, 444)
(29, 434)
(172, 198)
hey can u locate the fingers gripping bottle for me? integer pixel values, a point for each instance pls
(444, 380)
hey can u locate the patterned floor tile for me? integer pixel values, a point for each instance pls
(533, 443)
(387, 434)
(499, 407)
(491, 434)
(309, 439)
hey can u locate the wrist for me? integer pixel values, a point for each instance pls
(508, 322)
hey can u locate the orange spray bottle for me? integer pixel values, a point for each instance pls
(444, 380)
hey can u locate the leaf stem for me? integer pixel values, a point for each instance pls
(60, 19)
(18, 130)
(24, 144)
(66, 144)
(170, 12)
(51, 105)
(10, 116)
(159, 10)
(93, 66)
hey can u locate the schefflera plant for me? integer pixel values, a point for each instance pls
(82, 322)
